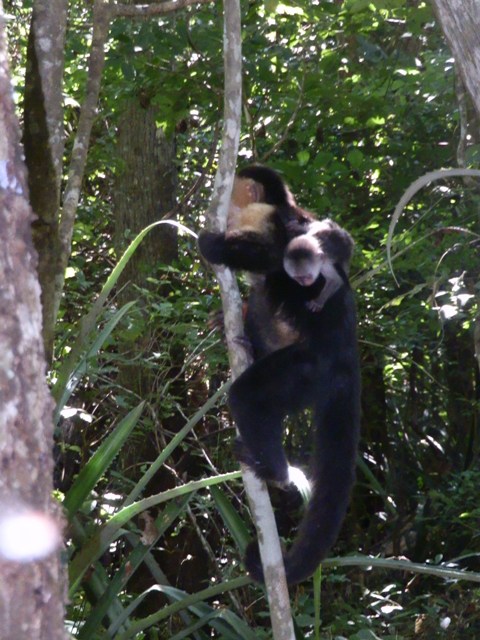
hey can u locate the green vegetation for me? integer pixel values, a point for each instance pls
(352, 101)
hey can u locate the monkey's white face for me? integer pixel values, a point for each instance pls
(304, 260)
(305, 270)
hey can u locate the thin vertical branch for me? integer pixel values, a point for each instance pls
(257, 493)
(477, 340)
(103, 13)
(82, 139)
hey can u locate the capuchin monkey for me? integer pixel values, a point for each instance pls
(310, 360)
(309, 259)
(263, 216)
(315, 253)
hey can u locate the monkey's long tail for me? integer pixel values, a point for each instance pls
(334, 475)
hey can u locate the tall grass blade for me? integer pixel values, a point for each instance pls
(100, 461)
(69, 378)
(111, 530)
(232, 519)
(167, 517)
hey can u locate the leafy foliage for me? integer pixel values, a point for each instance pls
(351, 101)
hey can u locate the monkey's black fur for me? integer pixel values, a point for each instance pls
(318, 370)
(265, 250)
(321, 371)
(276, 192)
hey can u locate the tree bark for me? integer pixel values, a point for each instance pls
(44, 143)
(31, 593)
(256, 490)
(460, 20)
(144, 190)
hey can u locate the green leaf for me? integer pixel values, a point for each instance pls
(355, 158)
(112, 589)
(108, 532)
(356, 6)
(303, 157)
(289, 10)
(65, 386)
(196, 606)
(375, 121)
(232, 519)
(100, 461)
(271, 5)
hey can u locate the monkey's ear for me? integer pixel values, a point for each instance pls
(246, 191)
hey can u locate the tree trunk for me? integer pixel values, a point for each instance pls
(460, 20)
(144, 191)
(44, 142)
(31, 592)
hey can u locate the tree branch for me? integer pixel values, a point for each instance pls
(257, 493)
(44, 141)
(82, 139)
(146, 10)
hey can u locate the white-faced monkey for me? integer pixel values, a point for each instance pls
(304, 288)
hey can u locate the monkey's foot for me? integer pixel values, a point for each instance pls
(273, 477)
(246, 344)
(216, 321)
